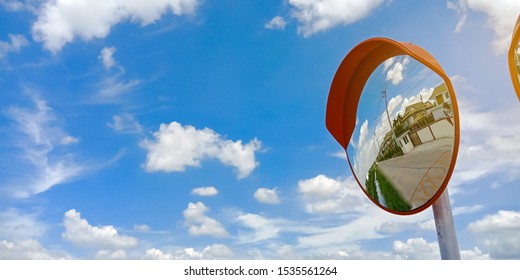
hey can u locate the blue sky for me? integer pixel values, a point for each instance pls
(189, 129)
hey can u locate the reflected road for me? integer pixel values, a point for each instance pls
(418, 175)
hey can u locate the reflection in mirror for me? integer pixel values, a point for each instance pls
(402, 146)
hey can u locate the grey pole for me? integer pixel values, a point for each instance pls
(445, 226)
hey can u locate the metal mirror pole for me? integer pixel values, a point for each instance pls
(445, 226)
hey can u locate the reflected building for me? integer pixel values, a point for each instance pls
(442, 102)
(426, 121)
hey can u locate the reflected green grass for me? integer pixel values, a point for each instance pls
(371, 184)
(393, 199)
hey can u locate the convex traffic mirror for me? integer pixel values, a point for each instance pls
(514, 58)
(393, 110)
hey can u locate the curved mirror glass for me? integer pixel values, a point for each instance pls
(402, 145)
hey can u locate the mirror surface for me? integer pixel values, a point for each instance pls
(402, 146)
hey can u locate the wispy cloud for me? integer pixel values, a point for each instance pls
(28, 249)
(501, 17)
(113, 89)
(43, 161)
(15, 225)
(276, 23)
(15, 44)
(125, 123)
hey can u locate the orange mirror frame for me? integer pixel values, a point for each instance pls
(348, 84)
(511, 57)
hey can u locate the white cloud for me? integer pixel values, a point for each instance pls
(285, 251)
(142, 228)
(15, 44)
(485, 147)
(393, 104)
(396, 73)
(200, 224)
(211, 252)
(38, 132)
(475, 254)
(322, 194)
(420, 249)
(366, 153)
(125, 123)
(359, 254)
(68, 140)
(176, 146)
(259, 227)
(499, 234)
(427, 225)
(242, 157)
(156, 254)
(268, 196)
(16, 225)
(107, 57)
(364, 225)
(27, 250)
(321, 15)
(205, 191)
(79, 232)
(396, 226)
(276, 23)
(363, 131)
(416, 249)
(389, 62)
(60, 21)
(119, 254)
(330, 237)
(501, 17)
(215, 251)
(393, 227)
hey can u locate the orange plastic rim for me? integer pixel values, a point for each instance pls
(511, 57)
(348, 84)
